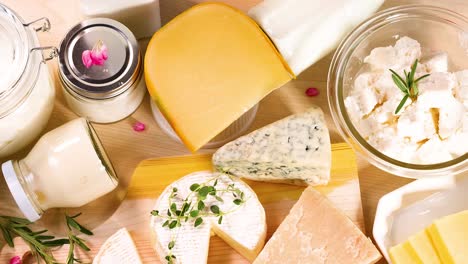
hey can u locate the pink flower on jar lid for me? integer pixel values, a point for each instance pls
(97, 56)
(312, 92)
(15, 260)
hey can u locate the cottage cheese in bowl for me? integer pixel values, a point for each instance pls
(433, 127)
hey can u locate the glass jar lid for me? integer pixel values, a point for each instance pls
(13, 49)
(120, 69)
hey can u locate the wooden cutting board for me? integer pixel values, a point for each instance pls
(153, 175)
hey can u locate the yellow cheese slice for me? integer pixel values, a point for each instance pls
(316, 232)
(404, 254)
(450, 238)
(422, 245)
(207, 67)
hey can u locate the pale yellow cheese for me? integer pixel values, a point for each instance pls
(404, 254)
(450, 238)
(207, 67)
(421, 244)
(316, 232)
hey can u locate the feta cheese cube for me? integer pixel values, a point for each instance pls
(433, 151)
(407, 51)
(383, 58)
(436, 62)
(436, 90)
(457, 144)
(461, 90)
(451, 118)
(416, 124)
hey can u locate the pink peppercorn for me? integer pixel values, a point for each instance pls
(312, 92)
(139, 127)
(15, 260)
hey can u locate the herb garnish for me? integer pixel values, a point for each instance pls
(74, 240)
(41, 244)
(193, 209)
(408, 85)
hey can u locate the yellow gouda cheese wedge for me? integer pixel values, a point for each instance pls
(450, 238)
(207, 67)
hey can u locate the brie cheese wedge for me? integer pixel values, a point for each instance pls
(118, 249)
(243, 227)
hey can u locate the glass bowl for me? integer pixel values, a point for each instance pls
(437, 29)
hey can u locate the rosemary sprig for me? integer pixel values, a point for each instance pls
(39, 243)
(74, 240)
(408, 85)
(193, 209)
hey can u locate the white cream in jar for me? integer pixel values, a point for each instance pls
(68, 167)
(26, 91)
(111, 90)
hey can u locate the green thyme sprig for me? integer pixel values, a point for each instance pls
(74, 240)
(39, 243)
(408, 85)
(193, 209)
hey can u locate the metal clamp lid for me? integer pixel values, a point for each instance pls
(118, 73)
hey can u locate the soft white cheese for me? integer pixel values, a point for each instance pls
(304, 31)
(243, 228)
(431, 129)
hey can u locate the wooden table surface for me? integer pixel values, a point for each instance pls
(289, 99)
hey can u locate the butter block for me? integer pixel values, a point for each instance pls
(421, 244)
(207, 67)
(404, 254)
(450, 237)
(316, 232)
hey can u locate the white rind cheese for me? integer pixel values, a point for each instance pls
(244, 228)
(294, 150)
(118, 249)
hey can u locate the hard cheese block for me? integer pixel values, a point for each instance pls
(243, 228)
(207, 67)
(316, 232)
(306, 30)
(293, 150)
(118, 249)
(450, 237)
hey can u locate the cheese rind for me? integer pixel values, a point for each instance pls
(316, 232)
(118, 249)
(207, 67)
(192, 243)
(293, 150)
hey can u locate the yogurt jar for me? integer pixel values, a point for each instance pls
(68, 167)
(26, 90)
(111, 88)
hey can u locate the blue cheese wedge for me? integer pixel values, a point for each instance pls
(243, 226)
(294, 150)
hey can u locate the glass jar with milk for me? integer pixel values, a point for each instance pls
(68, 167)
(26, 91)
